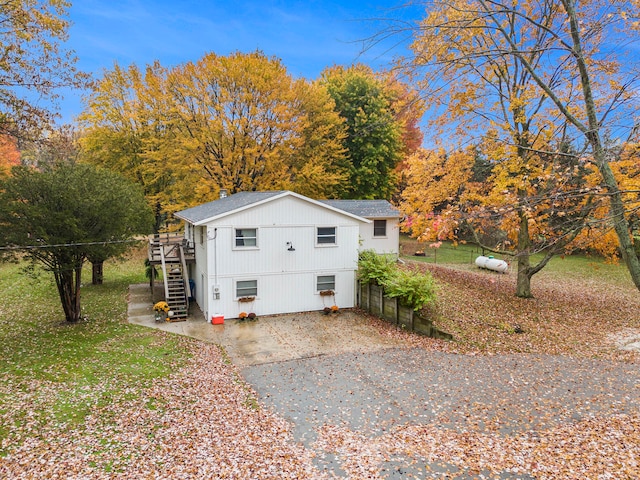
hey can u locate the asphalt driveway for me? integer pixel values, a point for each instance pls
(319, 371)
(506, 395)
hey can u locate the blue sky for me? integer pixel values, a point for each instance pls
(307, 35)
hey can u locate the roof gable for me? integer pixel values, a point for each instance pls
(238, 202)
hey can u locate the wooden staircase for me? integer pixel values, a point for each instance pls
(176, 285)
(175, 290)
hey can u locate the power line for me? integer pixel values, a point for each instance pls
(33, 247)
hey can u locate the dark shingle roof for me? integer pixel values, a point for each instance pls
(358, 208)
(365, 208)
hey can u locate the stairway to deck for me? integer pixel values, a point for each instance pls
(176, 290)
(171, 255)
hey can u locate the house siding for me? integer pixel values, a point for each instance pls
(383, 245)
(286, 279)
(199, 272)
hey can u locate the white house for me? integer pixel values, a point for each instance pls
(274, 252)
(382, 234)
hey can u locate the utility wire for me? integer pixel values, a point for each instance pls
(33, 247)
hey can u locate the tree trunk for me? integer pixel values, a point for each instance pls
(68, 283)
(618, 215)
(96, 273)
(523, 286)
(617, 208)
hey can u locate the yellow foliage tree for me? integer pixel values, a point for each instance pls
(33, 61)
(238, 122)
(529, 79)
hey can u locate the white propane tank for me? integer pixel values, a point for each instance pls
(491, 263)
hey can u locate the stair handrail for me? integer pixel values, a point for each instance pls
(164, 273)
(185, 277)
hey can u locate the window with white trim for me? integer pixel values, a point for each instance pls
(246, 237)
(325, 282)
(246, 288)
(379, 228)
(326, 236)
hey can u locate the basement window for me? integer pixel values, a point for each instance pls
(325, 282)
(246, 288)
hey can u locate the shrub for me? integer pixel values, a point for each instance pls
(374, 268)
(414, 290)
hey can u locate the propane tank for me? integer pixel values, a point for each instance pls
(491, 263)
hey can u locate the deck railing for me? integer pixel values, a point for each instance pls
(169, 243)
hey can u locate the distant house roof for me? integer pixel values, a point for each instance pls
(365, 208)
(243, 200)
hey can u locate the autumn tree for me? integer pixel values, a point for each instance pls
(52, 146)
(238, 122)
(9, 154)
(63, 215)
(537, 74)
(408, 107)
(374, 130)
(122, 135)
(34, 61)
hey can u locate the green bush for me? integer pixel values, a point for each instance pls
(414, 290)
(374, 268)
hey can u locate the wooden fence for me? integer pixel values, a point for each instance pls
(372, 298)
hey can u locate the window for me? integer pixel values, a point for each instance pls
(325, 282)
(326, 236)
(202, 232)
(246, 237)
(379, 228)
(246, 288)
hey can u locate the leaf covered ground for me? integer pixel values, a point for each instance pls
(203, 420)
(578, 315)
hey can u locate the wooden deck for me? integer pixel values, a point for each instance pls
(169, 243)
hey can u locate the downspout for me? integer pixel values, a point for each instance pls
(215, 256)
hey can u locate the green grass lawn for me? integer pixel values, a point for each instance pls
(55, 375)
(66, 370)
(565, 267)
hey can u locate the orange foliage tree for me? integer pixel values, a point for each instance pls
(9, 154)
(530, 83)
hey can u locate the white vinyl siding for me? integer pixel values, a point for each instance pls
(326, 236)
(325, 282)
(283, 281)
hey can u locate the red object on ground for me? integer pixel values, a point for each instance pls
(217, 320)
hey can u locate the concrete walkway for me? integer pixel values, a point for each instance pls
(268, 339)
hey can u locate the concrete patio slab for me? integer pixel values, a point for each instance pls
(268, 339)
